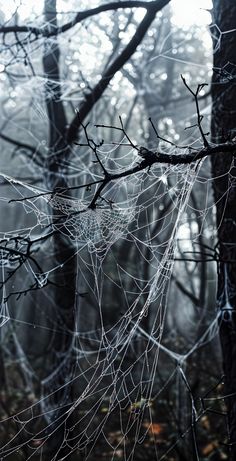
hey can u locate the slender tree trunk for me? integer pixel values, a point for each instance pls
(224, 172)
(64, 294)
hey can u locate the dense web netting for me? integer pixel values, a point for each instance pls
(131, 369)
(124, 249)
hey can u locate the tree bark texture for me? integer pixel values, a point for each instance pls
(224, 174)
(64, 294)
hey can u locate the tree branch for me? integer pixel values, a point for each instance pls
(92, 98)
(186, 292)
(81, 16)
(151, 158)
(39, 160)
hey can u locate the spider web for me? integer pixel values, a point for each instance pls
(105, 387)
(113, 367)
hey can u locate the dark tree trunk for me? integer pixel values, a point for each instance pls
(64, 294)
(224, 172)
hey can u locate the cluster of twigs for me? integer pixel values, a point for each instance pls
(148, 158)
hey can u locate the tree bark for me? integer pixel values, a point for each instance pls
(64, 295)
(224, 172)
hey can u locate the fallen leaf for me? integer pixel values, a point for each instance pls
(154, 428)
(209, 448)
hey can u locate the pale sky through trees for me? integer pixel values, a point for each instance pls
(191, 12)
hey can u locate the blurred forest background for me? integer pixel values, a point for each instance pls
(86, 371)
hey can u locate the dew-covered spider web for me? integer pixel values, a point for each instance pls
(101, 377)
(108, 322)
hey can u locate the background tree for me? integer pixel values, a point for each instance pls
(223, 169)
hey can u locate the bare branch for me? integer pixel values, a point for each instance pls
(186, 292)
(150, 158)
(94, 96)
(199, 116)
(81, 16)
(38, 159)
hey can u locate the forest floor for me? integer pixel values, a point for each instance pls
(177, 426)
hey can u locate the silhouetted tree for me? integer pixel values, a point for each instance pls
(224, 172)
